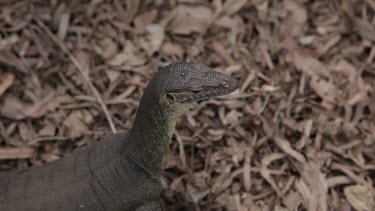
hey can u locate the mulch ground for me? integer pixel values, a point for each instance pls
(299, 133)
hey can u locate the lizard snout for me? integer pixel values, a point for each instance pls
(230, 83)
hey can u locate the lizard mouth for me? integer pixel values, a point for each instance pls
(203, 95)
(224, 88)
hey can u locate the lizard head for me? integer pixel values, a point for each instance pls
(176, 86)
(185, 83)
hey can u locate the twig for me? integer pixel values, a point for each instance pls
(182, 151)
(47, 138)
(80, 69)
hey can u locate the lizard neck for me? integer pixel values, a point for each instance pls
(150, 135)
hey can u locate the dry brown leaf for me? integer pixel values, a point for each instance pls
(348, 171)
(324, 48)
(325, 89)
(266, 173)
(177, 184)
(14, 108)
(48, 130)
(49, 157)
(106, 47)
(361, 197)
(284, 145)
(231, 118)
(307, 127)
(196, 194)
(364, 28)
(16, 152)
(199, 188)
(26, 132)
(232, 6)
(84, 60)
(223, 53)
(278, 207)
(269, 88)
(317, 186)
(345, 68)
(307, 40)
(6, 80)
(153, 39)
(226, 200)
(172, 49)
(226, 21)
(129, 57)
(63, 25)
(189, 20)
(298, 17)
(292, 200)
(338, 180)
(77, 122)
(132, 7)
(248, 153)
(305, 192)
(215, 135)
(10, 59)
(225, 180)
(113, 75)
(310, 66)
(144, 19)
(60, 100)
(8, 41)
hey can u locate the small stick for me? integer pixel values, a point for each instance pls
(16, 152)
(81, 71)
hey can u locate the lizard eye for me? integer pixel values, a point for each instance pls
(170, 97)
(196, 91)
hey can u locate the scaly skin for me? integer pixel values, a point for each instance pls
(122, 171)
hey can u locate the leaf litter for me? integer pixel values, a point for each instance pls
(299, 134)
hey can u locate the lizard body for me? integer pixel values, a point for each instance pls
(122, 171)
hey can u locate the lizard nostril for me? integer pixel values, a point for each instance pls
(225, 84)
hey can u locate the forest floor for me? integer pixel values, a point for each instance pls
(299, 133)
